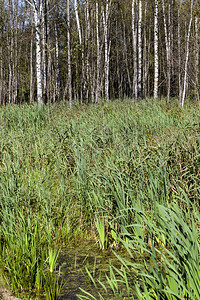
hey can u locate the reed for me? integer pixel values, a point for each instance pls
(169, 266)
(113, 179)
(53, 283)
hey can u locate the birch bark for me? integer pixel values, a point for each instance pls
(57, 62)
(82, 51)
(37, 16)
(156, 63)
(187, 55)
(197, 58)
(1, 75)
(31, 60)
(105, 16)
(179, 55)
(69, 57)
(88, 49)
(15, 58)
(98, 54)
(134, 34)
(167, 46)
(1, 53)
(10, 41)
(77, 21)
(140, 50)
(145, 53)
(44, 41)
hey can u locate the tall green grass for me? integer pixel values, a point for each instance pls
(76, 174)
(165, 264)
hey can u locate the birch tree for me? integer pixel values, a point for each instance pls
(107, 44)
(156, 62)
(2, 26)
(167, 45)
(98, 53)
(81, 44)
(1, 75)
(37, 10)
(187, 55)
(69, 79)
(44, 42)
(179, 55)
(145, 52)
(197, 48)
(57, 83)
(134, 34)
(140, 50)
(31, 60)
(1, 68)
(15, 61)
(87, 38)
(37, 47)
(10, 41)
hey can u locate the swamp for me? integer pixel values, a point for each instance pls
(100, 201)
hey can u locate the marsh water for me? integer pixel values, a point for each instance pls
(73, 261)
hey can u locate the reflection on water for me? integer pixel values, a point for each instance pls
(73, 260)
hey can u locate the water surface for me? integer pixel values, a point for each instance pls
(73, 260)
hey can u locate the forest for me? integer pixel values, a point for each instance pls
(52, 51)
(99, 149)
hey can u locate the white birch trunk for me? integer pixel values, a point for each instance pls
(187, 55)
(88, 50)
(156, 62)
(197, 58)
(179, 55)
(37, 17)
(145, 53)
(10, 41)
(57, 63)
(10, 80)
(15, 60)
(167, 46)
(140, 50)
(31, 60)
(98, 54)
(1, 75)
(69, 57)
(134, 34)
(171, 47)
(107, 50)
(43, 45)
(1, 69)
(77, 21)
(49, 73)
(82, 52)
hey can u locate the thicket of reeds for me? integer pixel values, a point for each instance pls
(126, 175)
